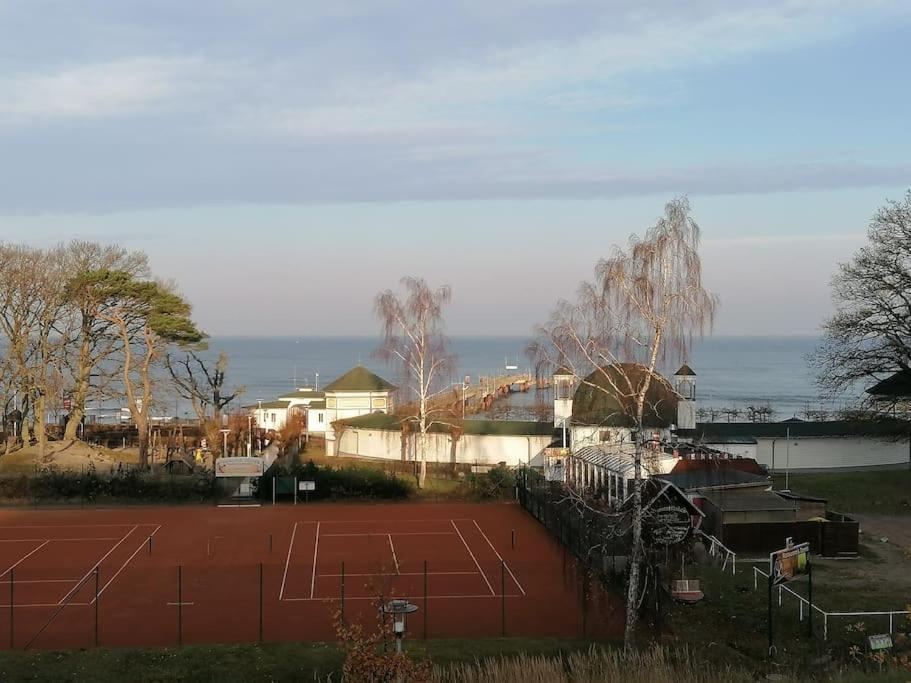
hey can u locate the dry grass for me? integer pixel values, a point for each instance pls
(596, 665)
(72, 456)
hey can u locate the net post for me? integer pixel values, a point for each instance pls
(513, 536)
(261, 597)
(503, 597)
(342, 593)
(425, 600)
(270, 543)
(295, 490)
(12, 631)
(179, 606)
(150, 546)
(97, 581)
(273, 491)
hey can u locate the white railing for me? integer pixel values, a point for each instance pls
(825, 615)
(716, 547)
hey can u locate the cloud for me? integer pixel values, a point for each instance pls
(100, 90)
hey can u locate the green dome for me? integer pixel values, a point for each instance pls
(608, 397)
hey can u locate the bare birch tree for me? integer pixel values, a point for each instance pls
(646, 303)
(413, 337)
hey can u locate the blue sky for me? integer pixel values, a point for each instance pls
(284, 161)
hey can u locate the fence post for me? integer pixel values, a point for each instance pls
(425, 599)
(96, 605)
(810, 598)
(12, 581)
(261, 598)
(179, 607)
(503, 597)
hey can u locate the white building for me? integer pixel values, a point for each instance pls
(357, 392)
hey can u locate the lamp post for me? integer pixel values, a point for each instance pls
(398, 609)
(224, 450)
(249, 435)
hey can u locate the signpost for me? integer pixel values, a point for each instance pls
(240, 467)
(791, 562)
(306, 486)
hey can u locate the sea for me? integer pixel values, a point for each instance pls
(732, 372)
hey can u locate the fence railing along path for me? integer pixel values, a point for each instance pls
(782, 589)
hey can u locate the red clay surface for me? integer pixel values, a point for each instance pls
(200, 578)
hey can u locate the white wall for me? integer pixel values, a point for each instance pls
(738, 450)
(471, 448)
(316, 420)
(819, 453)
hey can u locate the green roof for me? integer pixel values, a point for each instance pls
(317, 405)
(269, 404)
(607, 398)
(480, 427)
(360, 379)
(712, 431)
(302, 393)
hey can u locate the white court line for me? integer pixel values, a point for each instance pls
(46, 605)
(67, 526)
(180, 604)
(24, 558)
(56, 540)
(313, 573)
(104, 557)
(399, 533)
(329, 576)
(18, 581)
(383, 521)
(129, 559)
(429, 597)
(492, 592)
(287, 561)
(395, 560)
(500, 557)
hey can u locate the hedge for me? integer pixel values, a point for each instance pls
(344, 482)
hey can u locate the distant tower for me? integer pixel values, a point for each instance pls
(685, 386)
(564, 382)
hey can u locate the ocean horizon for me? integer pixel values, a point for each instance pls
(732, 371)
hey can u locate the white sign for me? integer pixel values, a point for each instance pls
(306, 486)
(239, 467)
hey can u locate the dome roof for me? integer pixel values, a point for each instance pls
(607, 397)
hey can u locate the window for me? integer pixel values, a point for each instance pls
(273, 417)
(564, 389)
(320, 417)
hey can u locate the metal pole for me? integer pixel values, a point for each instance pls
(261, 598)
(810, 598)
(513, 539)
(770, 613)
(270, 542)
(179, 608)
(12, 581)
(273, 490)
(425, 600)
(96, 606)
(503, 596)
(342, 596)
(150, 546)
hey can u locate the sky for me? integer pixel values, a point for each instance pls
(285, 160)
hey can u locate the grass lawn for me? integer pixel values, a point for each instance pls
(886, 492)
(226, 663)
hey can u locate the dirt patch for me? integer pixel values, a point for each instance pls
(74, 456)
(895, 528)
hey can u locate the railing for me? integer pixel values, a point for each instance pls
(716, 547)
(825, 615)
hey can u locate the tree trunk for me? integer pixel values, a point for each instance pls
(40, 427)
(80, 391)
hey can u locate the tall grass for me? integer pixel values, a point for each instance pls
(657, 665)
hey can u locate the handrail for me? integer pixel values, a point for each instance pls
(715, 543)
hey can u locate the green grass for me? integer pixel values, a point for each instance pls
(228, 663)
(886, 492)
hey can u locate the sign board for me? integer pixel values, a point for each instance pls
(669, 524)
(555, 464)
(239, 467)
(789, 562)
(306, 486)
(880, 641)
(467, 381)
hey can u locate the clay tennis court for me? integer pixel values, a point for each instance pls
(164, 576)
